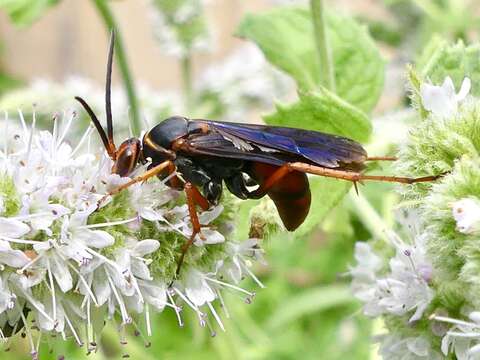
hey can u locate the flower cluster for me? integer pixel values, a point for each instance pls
(69, 262)
(180, 26)
(424, 281)
(235, 86)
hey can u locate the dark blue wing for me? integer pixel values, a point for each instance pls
(319, 148)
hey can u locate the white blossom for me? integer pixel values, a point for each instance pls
(91, 270)
(401, 289)
(466, 213)
(442, 100)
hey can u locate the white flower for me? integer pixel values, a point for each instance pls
(393, 347)
(12, 228)
(463, 338)
(466, 213)
(442, 100)
(72, 264)
(242, 81)
(403, 289)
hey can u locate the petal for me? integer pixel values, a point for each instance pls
(95, 238)
(438, 100)
(13, 228)
(101, 287)
(197, 289)
(211, 237)
(149, 214)
(464, 89)
(145, 247)
(207, 217)
(61, 273)
(140, 270)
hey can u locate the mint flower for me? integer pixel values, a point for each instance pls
(69, 265)
(424, 280)
(442, 100)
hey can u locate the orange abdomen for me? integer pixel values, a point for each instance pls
(291, 194)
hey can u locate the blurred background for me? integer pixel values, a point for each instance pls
(182, 57)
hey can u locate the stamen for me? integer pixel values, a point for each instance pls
(252, 294)
(33, 353)
(215, 315)
(123, 310)
(52, 289)
(120, 222)
(177, 311)
(464, 335)
(451, 321)
(147, 320)
(86, 134)
(84, 282)
(222, 304)
(29, 264)
(72, 329)
(252, 275)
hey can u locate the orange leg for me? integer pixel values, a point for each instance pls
(333, 173)
(382, 158)
(194, 198)
(145, 176)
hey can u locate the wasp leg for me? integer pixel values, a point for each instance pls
(381, 158)
(194, 198)
(354, 176)
(145, 176)
(333, 173)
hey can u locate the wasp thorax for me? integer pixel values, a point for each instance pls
(127, 157)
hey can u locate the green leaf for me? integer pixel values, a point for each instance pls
(458, 61)
(309, 302)
(326, 112)
(25, 12)
(323, 111)
(286, 37)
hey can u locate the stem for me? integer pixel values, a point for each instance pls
(110, 22)
(327, 77)
(187, 81)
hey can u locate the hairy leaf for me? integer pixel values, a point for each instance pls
(286, 37)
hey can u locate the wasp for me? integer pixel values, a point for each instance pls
(201, 156)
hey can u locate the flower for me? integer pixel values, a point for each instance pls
(180, 26)
(73, 263)
(401, 290)
(442, 100)
(466, 213)
(238, 85)
(393, 347)
(463, 338)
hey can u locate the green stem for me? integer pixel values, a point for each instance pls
(187, 81)
(327, 77)
(110, 22)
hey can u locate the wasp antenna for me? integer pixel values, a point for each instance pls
(95, 121)
(108, 89)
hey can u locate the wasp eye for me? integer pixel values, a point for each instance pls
(128, 155)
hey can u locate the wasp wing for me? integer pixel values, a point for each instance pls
(286, 144)
(225, 146)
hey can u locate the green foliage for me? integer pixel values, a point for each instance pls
(285, 35)
(323, 111)
(458, 61)
(25, 12)
(455, 255)
(9, 196)
(448, 141)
